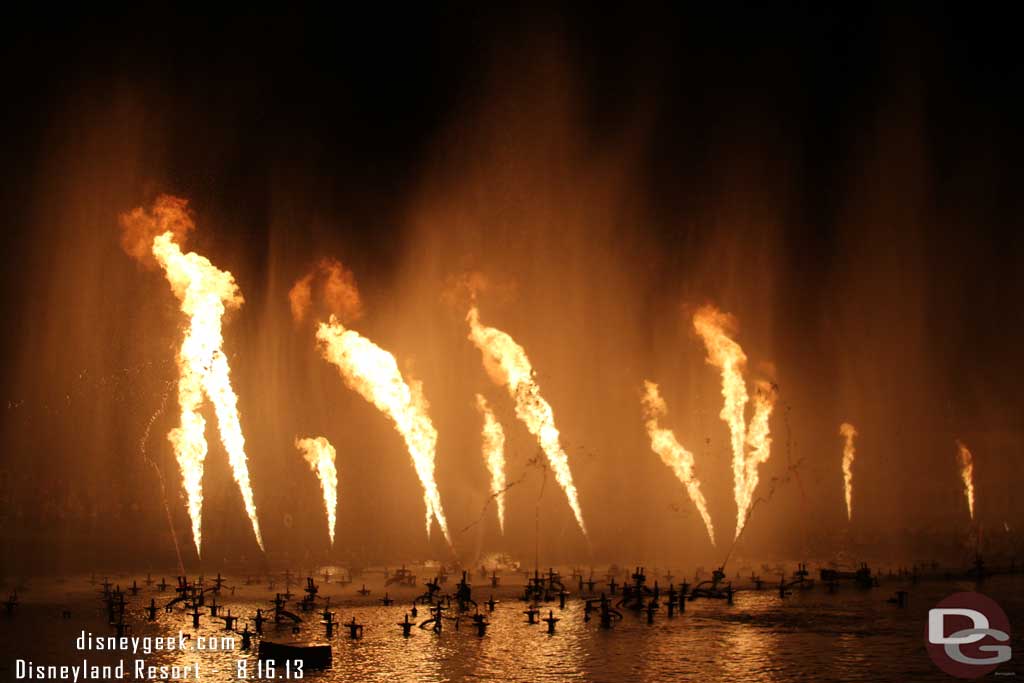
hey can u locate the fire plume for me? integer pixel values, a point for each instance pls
(373, 373)
(966, 473)
(680, 460)
(205, 293)
(724, 353)
(507, 364)
(847, 431)
(494, 455)
(321, 456)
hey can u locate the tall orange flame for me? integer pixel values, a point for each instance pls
(494, 455)
(507, 365)
(373, 373)
(205, 293)
(680, 460)
(966, 473)
(715, 327)
(321, 456)
(847, 431)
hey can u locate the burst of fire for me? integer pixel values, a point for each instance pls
(507, 365)
(494, 455)
(715, 327)
(373, 373)
(320, 455)
(205, 293)
(966, 473)
(680, 460)
(847, 431)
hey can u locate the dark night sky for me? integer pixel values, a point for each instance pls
(339, 119)
(352, 102)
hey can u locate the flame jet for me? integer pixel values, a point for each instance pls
(373, 373)
(507, 364)
(321, 456)
(494, 455)
(680, 460)
(847, 431)
(205, 293)
(966, 473)
(714, 328)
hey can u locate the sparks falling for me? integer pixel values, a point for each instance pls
(680, 460)
(714, 327)
(494, 455)
(507, 365)
(205, 293)
(966, 473)
(847, 431)
(321, 456)
(373, 373)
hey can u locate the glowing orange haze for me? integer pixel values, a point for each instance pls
(339, 292)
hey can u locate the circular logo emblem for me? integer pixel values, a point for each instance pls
(968, 635)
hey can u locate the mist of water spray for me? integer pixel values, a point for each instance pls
(966, 461)
(507, 365)
(321, 456)
(848, 432)
(672, 453)
(205, 294)
(751, 446)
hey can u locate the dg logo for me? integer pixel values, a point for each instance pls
(968, 635)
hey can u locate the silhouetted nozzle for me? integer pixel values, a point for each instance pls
(899, 599)
(11, 602)
(551, 620)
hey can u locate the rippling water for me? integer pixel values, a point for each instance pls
(852, 635)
